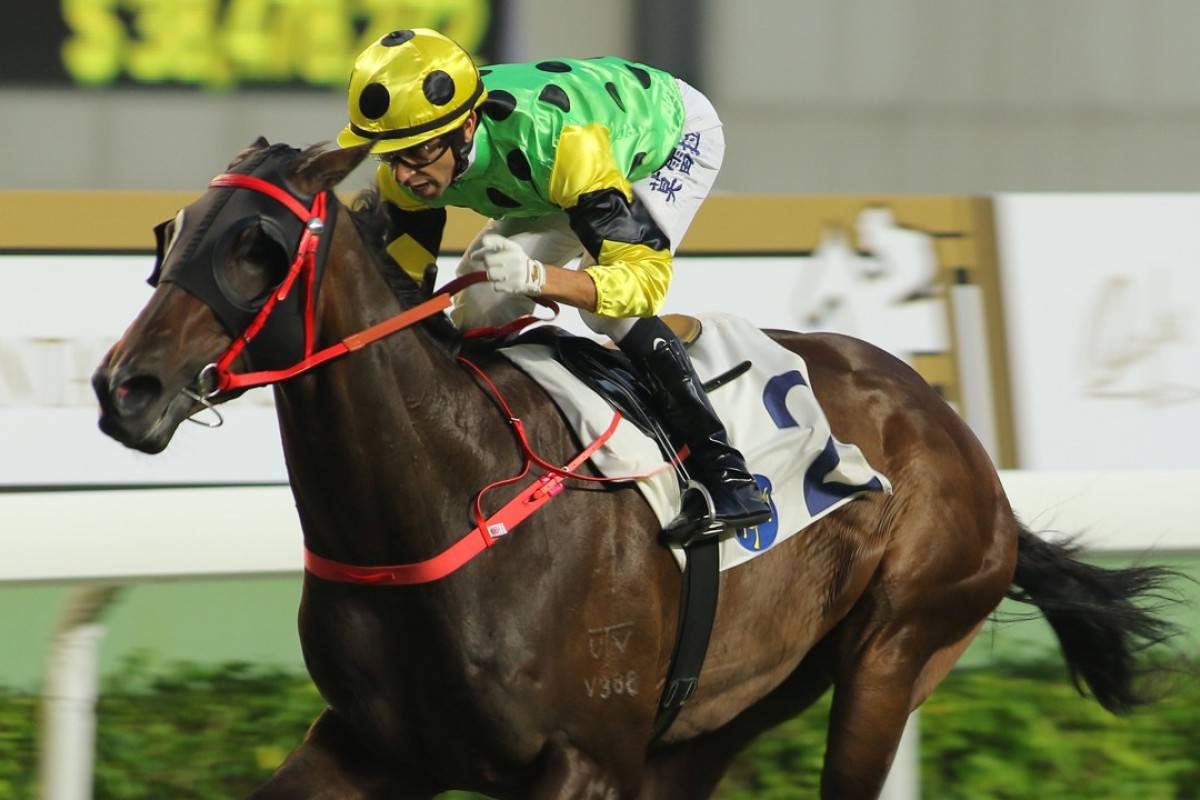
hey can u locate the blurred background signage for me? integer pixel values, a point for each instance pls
(220, 44)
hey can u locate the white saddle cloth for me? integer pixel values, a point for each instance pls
(771, 416)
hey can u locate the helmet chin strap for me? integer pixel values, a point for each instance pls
(462, 152)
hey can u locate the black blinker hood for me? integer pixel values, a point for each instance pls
(198, 268)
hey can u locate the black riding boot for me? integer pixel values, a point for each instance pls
(726, 496)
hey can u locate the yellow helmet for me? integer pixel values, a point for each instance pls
(409, 87)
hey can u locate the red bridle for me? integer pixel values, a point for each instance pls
(218, 377)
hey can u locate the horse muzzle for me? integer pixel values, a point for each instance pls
(136, 410)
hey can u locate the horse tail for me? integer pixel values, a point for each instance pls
(1105, 619)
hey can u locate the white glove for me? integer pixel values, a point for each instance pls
(509, 268)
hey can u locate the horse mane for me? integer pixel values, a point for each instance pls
(370, 214)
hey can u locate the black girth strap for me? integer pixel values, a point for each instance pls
(697, 609)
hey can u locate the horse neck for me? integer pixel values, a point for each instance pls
(379, 441)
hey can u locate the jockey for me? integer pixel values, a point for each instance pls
(602, 159)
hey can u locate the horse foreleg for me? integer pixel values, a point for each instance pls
(330, 764)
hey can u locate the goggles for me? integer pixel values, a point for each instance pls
(417, 156)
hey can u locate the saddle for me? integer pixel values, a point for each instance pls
(762, 394)
(606, 371)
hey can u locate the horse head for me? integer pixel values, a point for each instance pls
(236, 280)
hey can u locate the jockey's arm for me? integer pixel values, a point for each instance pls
(572, 287)
(633, 255)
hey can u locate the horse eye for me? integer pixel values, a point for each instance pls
(269, 254)
(259, 265)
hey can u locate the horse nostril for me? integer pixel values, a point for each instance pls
(133, 395)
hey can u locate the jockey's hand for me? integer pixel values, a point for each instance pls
(509, 268)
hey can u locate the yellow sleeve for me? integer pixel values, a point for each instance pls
(631, 279)
(583, 163)
(633, 257)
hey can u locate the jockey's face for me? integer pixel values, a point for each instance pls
(428, 168)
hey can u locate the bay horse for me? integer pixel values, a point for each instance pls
(535, 669)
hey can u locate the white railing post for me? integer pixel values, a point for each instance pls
(69, 697)
(904, 781)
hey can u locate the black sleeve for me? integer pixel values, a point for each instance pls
(414, 238)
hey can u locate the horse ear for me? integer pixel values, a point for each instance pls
(258, 144)
(325, 169)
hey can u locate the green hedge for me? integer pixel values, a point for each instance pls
(18, 744)
(1011, 732)
(1003, 733)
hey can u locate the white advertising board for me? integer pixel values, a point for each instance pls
(1101, 294)
(59, 315)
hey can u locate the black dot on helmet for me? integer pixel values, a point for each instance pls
(615, 95)
(438, 88)
(499, 105)
(518, 165)
(484, 71)
(374, 100)
(555, 96)
(553, 66)
(641, 74)
(501, 199)
(396, 37)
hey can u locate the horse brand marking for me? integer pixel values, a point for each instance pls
(618, 635)
(607, 687)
